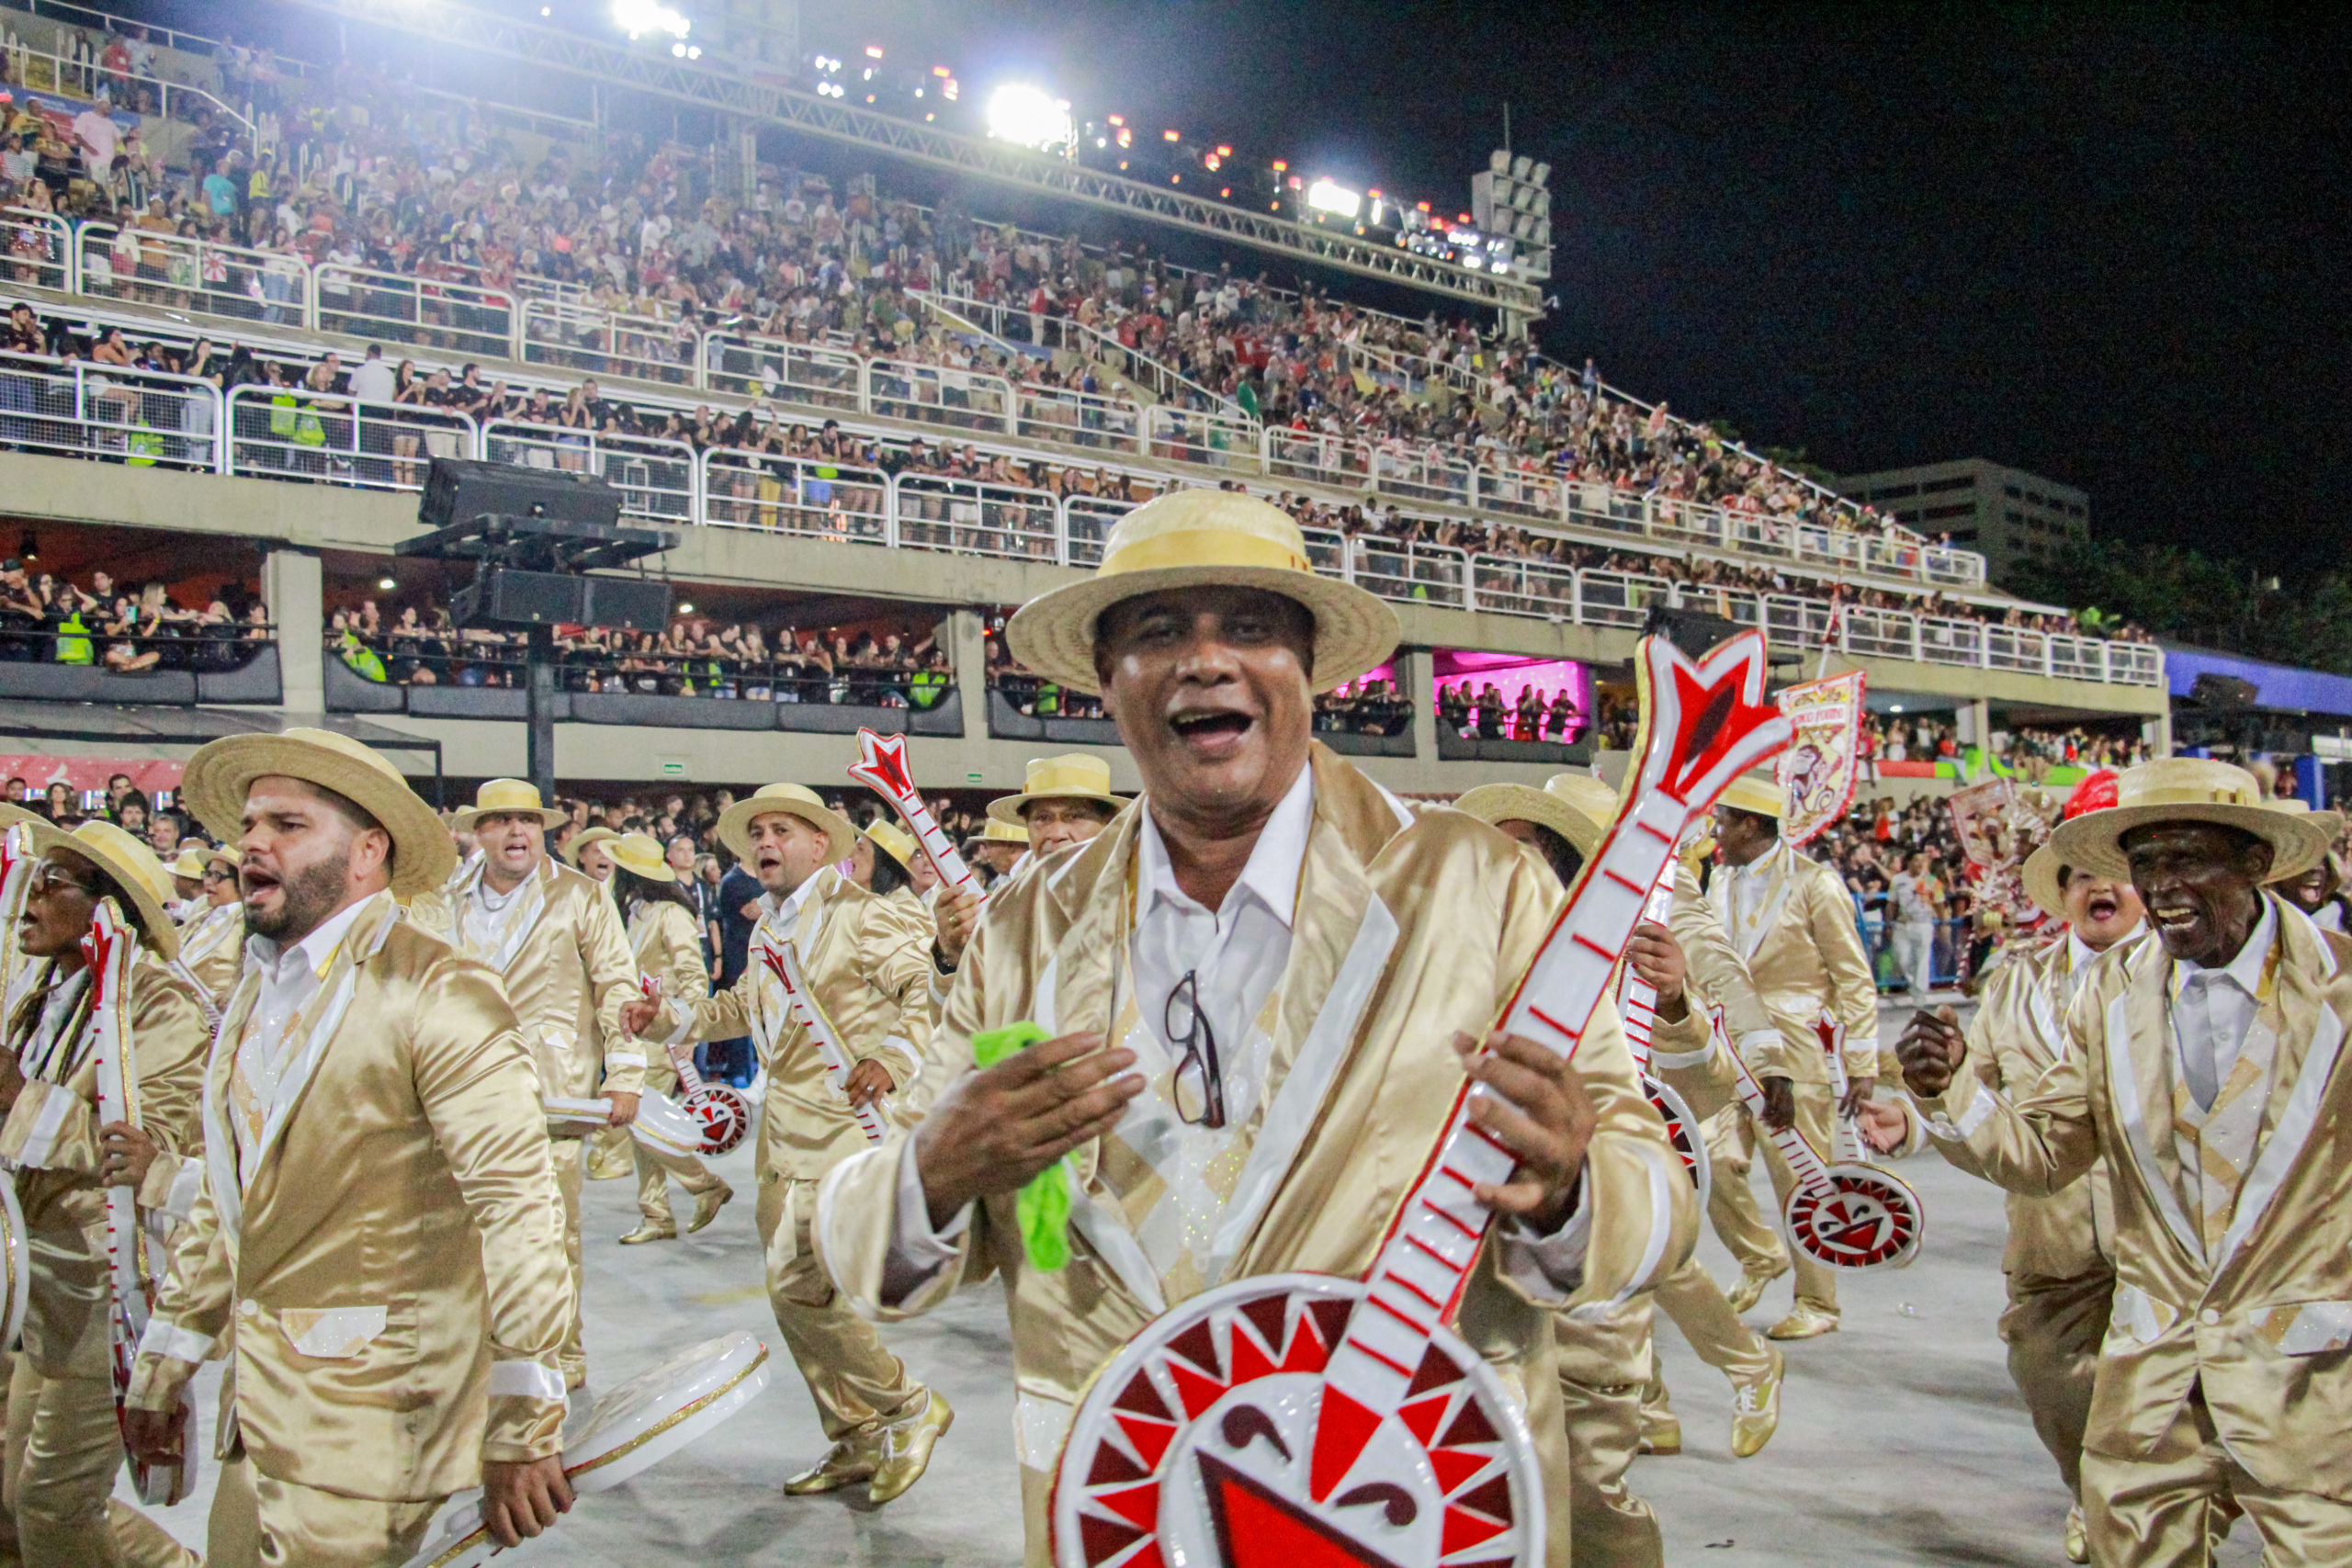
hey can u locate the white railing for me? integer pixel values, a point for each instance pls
(599, 343)
(289, 433)
(36, 248)
(1203, 436)
(1420, 473)
(75, 408)
(181, 273)
(972, 517)
(1087, 522)
(1068, 418)
(656, 478)
(805, 496)
(778, 369)
(938, 394)
(1318, 456)
(396, 307)
(1412, 572)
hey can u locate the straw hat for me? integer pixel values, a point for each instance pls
(2329, 822)
(1071, 776)
(11, 814)
(1759, 794)
(191, 864)
(735, 822)
(2041, 872)
(2190, 789)
(1191, 539)
(639, 854)
(1577, 806)
(223, 770)
(580, 841)
(895, 839)
(134, 870)
(225, 852)
(509, 796)
(996, 833)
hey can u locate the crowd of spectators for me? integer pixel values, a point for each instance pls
(1481, 712)
(2028, 750)
(121, 802)
(47, 618)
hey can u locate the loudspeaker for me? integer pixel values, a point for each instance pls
(459, 491)
(639, 604)
(1690, 630)
(2215, 691)
(511, 599)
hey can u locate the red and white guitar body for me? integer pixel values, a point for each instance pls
(1850, 1214)
(722, 1117)
(1305, 1421)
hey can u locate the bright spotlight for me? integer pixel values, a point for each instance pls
(1335, 200)
(638, 17)
(1029, 117)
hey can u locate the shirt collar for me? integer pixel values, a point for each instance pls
(2079, 955)
(1762, 864)
(1272, 874)
(794, 902)
(2245, 969)
(314, 947)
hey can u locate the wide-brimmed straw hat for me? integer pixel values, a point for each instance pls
(895, 841)
(513, 798)
(1074, 775)
(586, 837)
(1577, 806)
(2328, 822)
(134, 870)
(190, 863)
(227, 853)
(2190, 789)
(2041, 873)
(996, 833)
(735, 822)
(220, 774)
(11, 813)
(639, 854)
(1192, 539)
(1759, 794)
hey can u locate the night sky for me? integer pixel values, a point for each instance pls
(2107, 246)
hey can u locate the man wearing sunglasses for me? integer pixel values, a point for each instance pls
(1263, 986)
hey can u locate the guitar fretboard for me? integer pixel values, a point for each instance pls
(785, 963)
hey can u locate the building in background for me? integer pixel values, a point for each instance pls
(2005, 514)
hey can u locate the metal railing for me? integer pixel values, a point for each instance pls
(1069, 418)
(36, 248)
(780, 370)
(972, 517)
(75, 408)
(599, 343)
(658, 480)
(805, 496)
(288, 433)
(395, 307)
(182, 273)
(1204, 438)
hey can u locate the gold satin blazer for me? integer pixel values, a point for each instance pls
(868, 961)
(392, 1295)
(2263, 1322)
(1406, 929)
(1805, 958)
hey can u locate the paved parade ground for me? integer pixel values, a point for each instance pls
(1901, 1438)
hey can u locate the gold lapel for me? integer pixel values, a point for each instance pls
(2148, 1020)
(2292, 1009)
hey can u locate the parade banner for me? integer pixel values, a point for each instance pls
(1999, 827)
(1818, 770)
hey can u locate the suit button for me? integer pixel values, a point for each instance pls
(2208, 1317)
(248, 1308)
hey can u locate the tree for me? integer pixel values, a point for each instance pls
(2184, 595)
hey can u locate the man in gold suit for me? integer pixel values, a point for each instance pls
(1249, 982)
(865, 958)
(374, 1214)
(554, 938)
(2204, 1067)
(1791, 922)
(64, 1443)
(1063, 801)
(1610, 1383)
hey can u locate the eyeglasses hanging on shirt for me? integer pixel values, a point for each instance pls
(1200, 1079)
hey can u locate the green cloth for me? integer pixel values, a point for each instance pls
(1043, 1206)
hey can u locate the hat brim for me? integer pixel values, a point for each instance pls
(659, 872)
(1009, 808)
(1499, 803)
(735, 825)
(467, 816)
(2093, 839)
(593, 836)
(1052, 635)
(12, 814)
(2039, 875)
(219, 775)
(155, 923)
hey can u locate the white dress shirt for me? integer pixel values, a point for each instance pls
(290, 978)
(2213, 1010)
(1749, 886)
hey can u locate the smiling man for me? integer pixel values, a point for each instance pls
(2204, 1068)
(375, 1211)
(1263, 986)
(554, 938)
(866, 959)
(2059, 1276)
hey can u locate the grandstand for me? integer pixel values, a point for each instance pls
(886, 417)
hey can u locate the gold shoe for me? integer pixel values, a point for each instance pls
(707, 1203)
(1804, 1323)
(1662, 1435)
(1756, 1411)
(1750, 1289)
(2078, 1539)
(906, 1448)
(648, 1231)
(849, 1461)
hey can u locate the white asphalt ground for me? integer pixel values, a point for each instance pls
(1901, 1440)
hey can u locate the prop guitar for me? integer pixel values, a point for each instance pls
(637, 1426)
(783, 961)
(1637, 1003)
(883, 768)
(1845, 1136)
(1847, 1215)
(109, 950)
(721, 1116)
(1309, 1421)
(16, 858)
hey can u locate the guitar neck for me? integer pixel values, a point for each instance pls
(785, 962)
(1805, 1160)
(935, 844)
(682, 1057)
(882, 767)
(1636, 997)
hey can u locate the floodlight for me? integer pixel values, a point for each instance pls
(1498, 160)
(1542, 174)
(1028, 117)
(636, 16)
(1337, 200)
(1521, 165)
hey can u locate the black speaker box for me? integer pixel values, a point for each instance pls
(1690, 630)
(511, 599)
(459, 491)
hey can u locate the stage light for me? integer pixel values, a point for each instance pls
(638, 17)
(1335, 200)
(385, 585)
(873, 52)
(1028, 117)
(1168, 136)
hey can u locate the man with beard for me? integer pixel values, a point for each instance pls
(864, 956)
(2203, 1067)
(64, 1444)
(1259, 987)
(554, 938)
(374, 1214)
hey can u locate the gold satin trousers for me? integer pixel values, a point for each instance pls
(2165, 1509)
(2053, 1328)
(1732, 1138)
(851, 1374)
(64, 1449)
